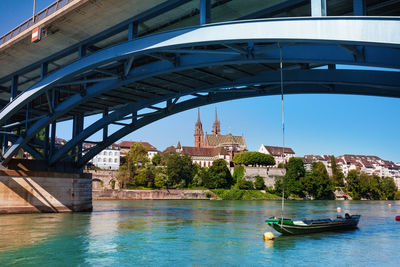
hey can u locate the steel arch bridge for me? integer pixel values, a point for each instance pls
(142, 80)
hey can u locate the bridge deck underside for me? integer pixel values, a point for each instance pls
(138, 82)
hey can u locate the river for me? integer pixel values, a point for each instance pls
(199, 233)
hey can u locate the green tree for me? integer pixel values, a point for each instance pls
(135, 159)
(145, 177)
(322, 185)
(369, 186)
(245, 185)
(123, 176)
(160, 180)
(353, 184)
(388, 187)
(200, 176)
(337, 174)
(259, 183)
(253, 158)
(219, 175)
(278, 186)
(179, 169)
(294, 172)
(238, 173)
(137, 154)
(156, 160)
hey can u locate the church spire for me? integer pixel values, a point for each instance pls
(198, 117)
(198, 132)
(216, 130)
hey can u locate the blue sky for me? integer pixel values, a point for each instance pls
(315, 124)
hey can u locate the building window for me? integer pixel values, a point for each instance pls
(104, 160)
(115, 161)
(115, 154)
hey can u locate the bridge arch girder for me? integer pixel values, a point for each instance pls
(249, 42)
(375, 31)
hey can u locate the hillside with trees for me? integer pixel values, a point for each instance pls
(173, 170)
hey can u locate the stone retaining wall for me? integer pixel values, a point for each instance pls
(149, 194)
(103, 179)
(268, 174)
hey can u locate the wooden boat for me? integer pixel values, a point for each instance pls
(291, 227)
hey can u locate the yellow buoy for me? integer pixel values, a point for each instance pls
(268, 236)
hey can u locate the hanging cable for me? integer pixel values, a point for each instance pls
(283, 126)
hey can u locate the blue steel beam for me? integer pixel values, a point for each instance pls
(359, 8)
(345, 31)
(205, 12)
(14, 87)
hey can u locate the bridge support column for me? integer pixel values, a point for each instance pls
(132, 31)
(318, 8)
(77, 129)
(105, 129)
(205, 12)
(359, 8)
(25, 191)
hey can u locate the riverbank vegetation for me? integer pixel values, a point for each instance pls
(173, 170)
(317, 184)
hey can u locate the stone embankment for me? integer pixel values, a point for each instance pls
(25, 191)
(171, 194)
(267, 173)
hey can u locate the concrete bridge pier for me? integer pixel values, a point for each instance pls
(31, 191)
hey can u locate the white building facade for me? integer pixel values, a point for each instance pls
(108, 159)
(280, 154)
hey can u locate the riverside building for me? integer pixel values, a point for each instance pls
(108, 159)
(280, 154)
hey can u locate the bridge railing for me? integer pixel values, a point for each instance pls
(31, 21)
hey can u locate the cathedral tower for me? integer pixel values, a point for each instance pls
(216, 130)
(198, 132)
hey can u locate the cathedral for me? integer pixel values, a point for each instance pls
(210, 147)
(232, 144)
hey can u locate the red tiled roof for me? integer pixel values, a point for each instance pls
(204, 151)
(339, 161)
(169, 149)
(327, 157)
(277, 151)
(60, 141)
(128, 144)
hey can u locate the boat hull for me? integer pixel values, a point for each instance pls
(290, 228)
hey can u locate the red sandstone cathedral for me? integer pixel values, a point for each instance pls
(212, 146)
(229, 142)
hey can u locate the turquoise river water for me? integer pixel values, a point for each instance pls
(199, 233)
